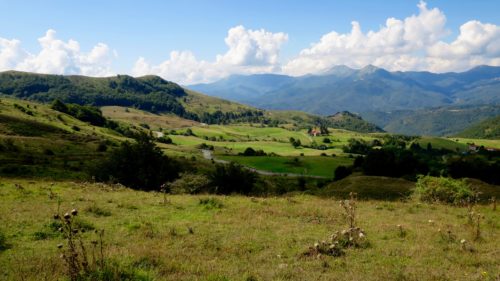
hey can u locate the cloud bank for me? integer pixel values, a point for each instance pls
(56, 57)
(414, 43)
(249, 51)
(417, 42)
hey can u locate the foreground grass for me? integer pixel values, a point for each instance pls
(244, 238)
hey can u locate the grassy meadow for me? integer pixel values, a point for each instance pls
(312, 165)
(241, 238)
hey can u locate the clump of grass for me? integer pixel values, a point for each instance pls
(98, 211)
(401, 231)
(352, 237)
(3, 241)
(211, 203)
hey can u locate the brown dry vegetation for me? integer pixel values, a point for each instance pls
(243, 238)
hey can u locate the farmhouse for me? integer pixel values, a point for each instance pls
(314, 132)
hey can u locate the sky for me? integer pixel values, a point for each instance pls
(196, 41)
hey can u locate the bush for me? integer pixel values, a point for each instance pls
(232, 178)
(165, 140)
(342, 172)
(141, 165)
(252, 152)
(440, 189)
(189, 183)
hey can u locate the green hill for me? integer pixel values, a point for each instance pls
(155, 95)
(487, 129)
(353, 122)
(150, 93)
(37, 141)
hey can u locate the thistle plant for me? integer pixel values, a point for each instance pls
(340, 240)
(74, 253)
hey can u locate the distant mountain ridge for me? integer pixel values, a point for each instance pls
(360, 90)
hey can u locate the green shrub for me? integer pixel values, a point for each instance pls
(440, 189)
(189, 183)
(211, 203)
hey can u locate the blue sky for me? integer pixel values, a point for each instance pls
(153, 29)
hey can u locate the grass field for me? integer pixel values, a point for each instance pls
(242, 238)
(312, 165)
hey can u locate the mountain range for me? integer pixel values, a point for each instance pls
(370, 92)
(360, 90)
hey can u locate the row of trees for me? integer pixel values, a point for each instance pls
(396, 161)
(142, 165)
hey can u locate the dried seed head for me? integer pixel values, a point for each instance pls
(316, 245)
(463, 241)
(59, 246)
(60, 229)
(67, 216)
(75, 231)
(56, 216)
(74, 212)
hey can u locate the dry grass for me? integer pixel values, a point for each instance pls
(137, 117)
(244, 238)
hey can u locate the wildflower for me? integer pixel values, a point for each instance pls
(463, 241)
(361, 235)
(316, 245)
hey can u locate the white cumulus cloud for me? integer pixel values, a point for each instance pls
(56, 57)
(249, 51)
(394, 46)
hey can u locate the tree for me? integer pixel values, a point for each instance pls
(140, 165)
(342, 172)
(232, 178)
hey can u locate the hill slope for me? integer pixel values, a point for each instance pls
(441, 121)
(149, 93)
(353, 122)
(487, 129)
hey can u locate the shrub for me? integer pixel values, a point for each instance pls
(252, 152)
(140, 165)
(232, 178)
(189, 183)
(211, 203)
(440, 189)
(165, 140)
(342, 172)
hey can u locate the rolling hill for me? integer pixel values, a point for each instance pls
(152, 94)
(487, 129)
(440, 121)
